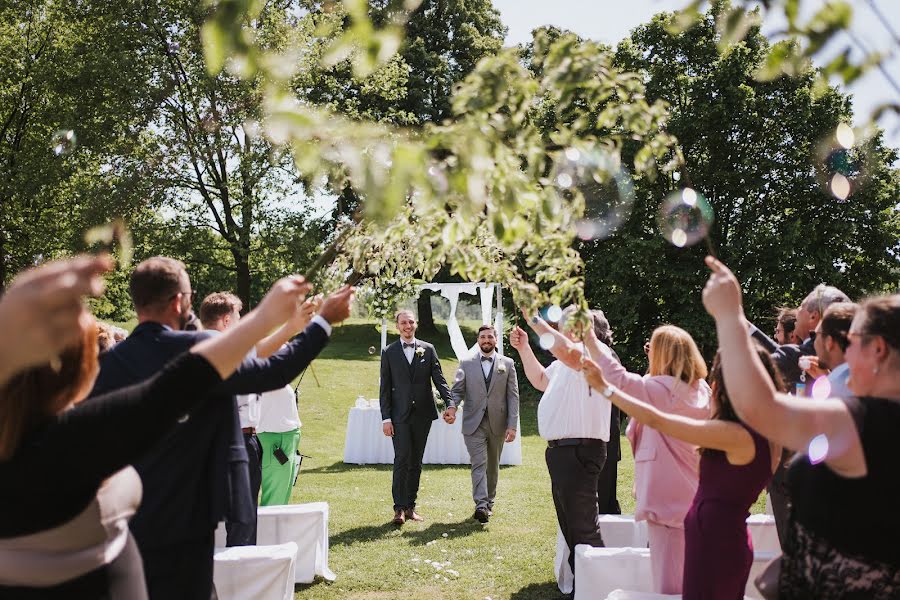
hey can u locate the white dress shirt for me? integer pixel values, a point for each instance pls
(570, 409)
(487, 365)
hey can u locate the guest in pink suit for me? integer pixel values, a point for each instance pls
(666, 470)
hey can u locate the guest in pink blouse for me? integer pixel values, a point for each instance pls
(666, 470)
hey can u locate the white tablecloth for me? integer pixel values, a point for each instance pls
(255, 572)
(366, 443)
(304, 524)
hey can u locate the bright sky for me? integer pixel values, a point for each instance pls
(610, 21)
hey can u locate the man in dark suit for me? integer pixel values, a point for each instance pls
(607, 501)
(197, 475)
(408, 367)
(787, 359)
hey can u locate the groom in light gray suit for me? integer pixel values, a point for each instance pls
(487, 384)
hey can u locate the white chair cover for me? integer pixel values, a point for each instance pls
(255, 572)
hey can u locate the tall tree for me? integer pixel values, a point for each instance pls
(749, 147)
(67, 67)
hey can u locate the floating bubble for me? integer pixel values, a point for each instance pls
(554, 313)
(842, 162)
(437, 175)
(596, 178)
(371, 349)
(818, 449)
(64, 141)
(821, 388)
(546, 341)
(685, 217)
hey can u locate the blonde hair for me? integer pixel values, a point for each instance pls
(673, 352)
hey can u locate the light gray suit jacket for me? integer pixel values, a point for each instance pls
(500, 399)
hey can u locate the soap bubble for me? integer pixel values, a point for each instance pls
(546, 340)
(821, 388)
(64, 141)
(818, 449)
(841, 162)
(596, 178)
(554, 313)
(685, 217)
(371, 349)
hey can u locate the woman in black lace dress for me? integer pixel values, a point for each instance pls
(849, 451)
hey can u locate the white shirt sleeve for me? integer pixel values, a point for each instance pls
(321, 322)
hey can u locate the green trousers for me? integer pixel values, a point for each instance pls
(277, 478)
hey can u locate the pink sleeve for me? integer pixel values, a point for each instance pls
(616, 375)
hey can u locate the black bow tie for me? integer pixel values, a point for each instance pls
(487, 358)
(405, 345)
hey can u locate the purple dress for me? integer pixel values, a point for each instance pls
(718, 549)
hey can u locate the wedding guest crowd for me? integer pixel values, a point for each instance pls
(78, 403)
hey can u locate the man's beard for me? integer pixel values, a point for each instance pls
(486, 348)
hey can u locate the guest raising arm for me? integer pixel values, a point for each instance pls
(666, 469)
(57, 532)
(851, 447)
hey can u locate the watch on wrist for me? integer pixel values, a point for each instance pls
(608, 391)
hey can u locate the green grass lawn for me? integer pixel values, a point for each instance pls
(511, 557)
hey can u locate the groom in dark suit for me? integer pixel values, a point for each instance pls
(408, 367)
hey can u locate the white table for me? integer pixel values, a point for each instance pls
(366, 443)
(255, 572)
(306, 525)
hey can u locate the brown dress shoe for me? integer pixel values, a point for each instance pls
(399, 518)
(412, 515)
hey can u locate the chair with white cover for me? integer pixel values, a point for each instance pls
(763, 533)
(304, 524)
(255, 572)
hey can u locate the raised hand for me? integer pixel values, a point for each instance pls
(722, 294)
(518, 339)
(336, 307)
(282, 300)
(304, 314)
(594, 375)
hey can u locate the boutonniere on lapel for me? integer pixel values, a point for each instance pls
(501, 368)
(420, 351)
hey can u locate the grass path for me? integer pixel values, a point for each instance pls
(511, 557)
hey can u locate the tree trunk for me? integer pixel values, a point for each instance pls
(242, 277)
(426, 317)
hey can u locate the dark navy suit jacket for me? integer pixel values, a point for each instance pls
(405, 385)
(197, 475)
(786, 356)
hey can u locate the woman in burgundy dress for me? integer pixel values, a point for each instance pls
(735, 466)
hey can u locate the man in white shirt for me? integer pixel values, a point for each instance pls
(575, 422)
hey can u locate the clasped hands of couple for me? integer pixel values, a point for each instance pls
(721, 298)
(449, 417)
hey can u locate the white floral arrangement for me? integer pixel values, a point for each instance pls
(501, 368)
(420, 351)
